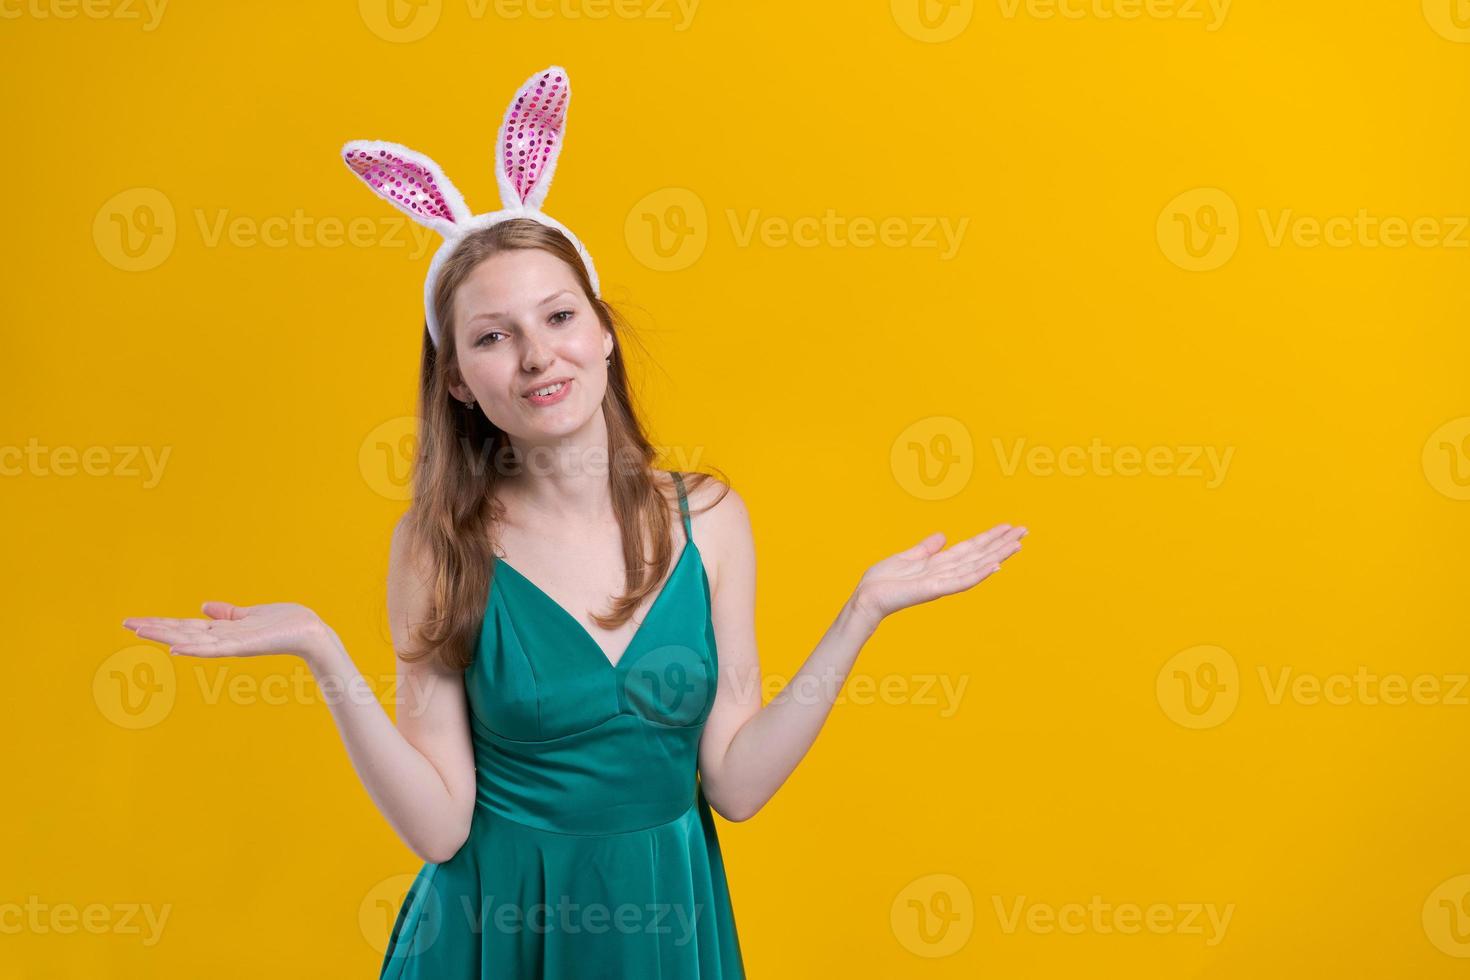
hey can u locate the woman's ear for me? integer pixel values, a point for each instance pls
(457, 387)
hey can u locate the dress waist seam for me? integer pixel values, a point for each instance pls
(497, 815)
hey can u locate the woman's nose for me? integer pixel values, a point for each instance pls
(535, 355)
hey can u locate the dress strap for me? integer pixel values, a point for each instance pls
(683, 506)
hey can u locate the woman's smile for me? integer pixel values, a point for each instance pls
(549, 394)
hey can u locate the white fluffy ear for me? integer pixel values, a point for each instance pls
(531, 137)
(409, 181)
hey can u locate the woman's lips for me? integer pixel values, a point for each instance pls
(551, 399)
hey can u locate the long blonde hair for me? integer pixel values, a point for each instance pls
(461, 456)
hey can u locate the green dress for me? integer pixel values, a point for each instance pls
(592, 854)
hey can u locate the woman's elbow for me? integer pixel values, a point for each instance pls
(445, 847)
(737, 811)
(439, 852)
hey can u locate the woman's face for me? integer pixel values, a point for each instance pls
(522, 323)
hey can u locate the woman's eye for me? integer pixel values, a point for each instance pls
(558, 318)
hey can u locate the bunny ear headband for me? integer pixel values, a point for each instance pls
(525, 158)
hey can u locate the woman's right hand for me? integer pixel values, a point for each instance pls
(237, 631)
(924, 572)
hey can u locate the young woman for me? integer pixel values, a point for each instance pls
(555, 766)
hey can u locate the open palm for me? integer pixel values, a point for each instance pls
(234, 631)
(923, 573)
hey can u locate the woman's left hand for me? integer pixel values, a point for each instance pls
(923, 572)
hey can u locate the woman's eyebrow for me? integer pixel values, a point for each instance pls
(501, 316)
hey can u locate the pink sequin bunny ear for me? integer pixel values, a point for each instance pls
(530, 139)
(410, 182)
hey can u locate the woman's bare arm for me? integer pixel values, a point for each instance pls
(421, 773)
(748, 751)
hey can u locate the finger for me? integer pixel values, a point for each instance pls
(224, 610)
(134, 622)
(151, 631)
(985, 538)
(924, 548)
(972, 574)
(171, 634)
(194, 627)
(166, 622)
(208, 647)
(216, 610)
(1001, 546)
(971, 547)
(972, 571)
(216, 645)
(987, 565)
(990, 563)
(163, 634)
(997, 536)
(998, 552)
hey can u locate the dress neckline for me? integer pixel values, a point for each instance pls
(688, 549)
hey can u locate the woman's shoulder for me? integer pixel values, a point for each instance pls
(718, 516)
(711, 500)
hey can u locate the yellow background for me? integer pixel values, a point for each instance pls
(856, 395)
